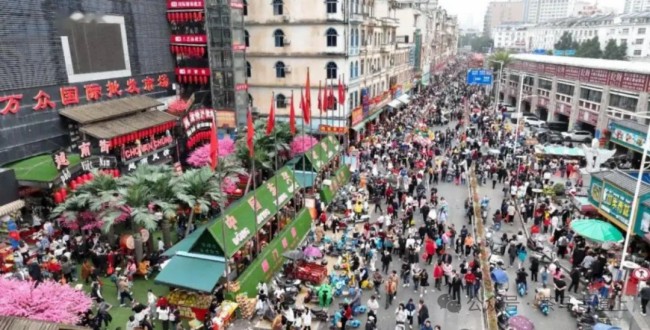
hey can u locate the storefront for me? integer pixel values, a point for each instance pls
(612, 193)
(628, 137)
(364, 117)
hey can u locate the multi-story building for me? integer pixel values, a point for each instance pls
(635, 6)
(63, 54)
(358, 45)
(511, 37)
(501, 12)
(632, 29)
(538, 11)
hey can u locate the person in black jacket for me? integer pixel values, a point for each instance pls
(423, 313)
(575, 280)
(534, 268)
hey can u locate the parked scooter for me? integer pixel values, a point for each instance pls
(576, 307)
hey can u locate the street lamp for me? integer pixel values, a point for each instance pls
(637, 189)
(496, 95)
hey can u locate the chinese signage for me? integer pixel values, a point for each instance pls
(139, 149)
(256, 208)
(54, 98)
(357, 115)
(197, 120)
(193, 4)
(627, 137)
(157, 157)
(339, 179)
(332, 129)
(616, 203)
(189, 39)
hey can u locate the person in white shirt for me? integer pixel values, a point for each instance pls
(373, 305)
(400, 317)
(131, 324)
(151, 303)
(163, 316)
(306, 319)
(161, 245)
(288, 314)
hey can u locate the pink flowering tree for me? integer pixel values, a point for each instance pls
(201, 156)
(301, 144)
(49, 301)
(177, 106)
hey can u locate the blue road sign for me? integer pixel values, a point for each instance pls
(479, 77)
(539, 51)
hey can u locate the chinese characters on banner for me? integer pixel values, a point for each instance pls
(93, 92)
(61, 164)
(616, 203)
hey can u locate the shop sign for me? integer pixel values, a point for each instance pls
(596, 192)
(357, 115)
(241, 87)
(365, 101)
(572, 73)
(193, 72)
(190, 4)
(627, 137)
(197, 120)
(588, 117)
(599, 77)
(614, 78)
(144, 148)
(332, 129)
(236, 4)
(616, 203)
(634, 81)
(51, 97)
(156, 157)
(550, 69)
(189, 39)
(238, 47)
(101, 162)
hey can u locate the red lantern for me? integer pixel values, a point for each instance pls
(73, 185)
(58, 198)
(64, 193)
(87, 177)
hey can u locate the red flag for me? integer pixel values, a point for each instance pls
(341, 93)
(214, 147)
(303, 106)
(270, 125)
(332, 101)
(308, 94)
(292, 117)
(326, 99)
(250, 132)
(320, 99)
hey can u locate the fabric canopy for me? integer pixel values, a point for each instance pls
(395, 104)
(596, 230)
(182, 270)
(100, 111)
(405, 98)
(186, 243)
(305, 178)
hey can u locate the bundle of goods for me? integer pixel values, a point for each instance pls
(246, 305)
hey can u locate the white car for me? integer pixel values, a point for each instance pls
(580, 136)
(534, 122)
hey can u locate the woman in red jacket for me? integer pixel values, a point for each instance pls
(438, 273)
(430, 248)
(470, 278)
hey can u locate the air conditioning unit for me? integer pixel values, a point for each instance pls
(285, 18)
(287, 41)
(287, 69)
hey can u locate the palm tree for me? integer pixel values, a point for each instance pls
(266, 147)
(501, 56)
(198, 188)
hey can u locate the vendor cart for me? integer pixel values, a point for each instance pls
(305, 271)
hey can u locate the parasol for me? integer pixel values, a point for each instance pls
(519, 322)
(596, 230)
(293, 255)
(312, 251)
(499, 276)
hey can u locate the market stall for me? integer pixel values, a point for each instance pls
(335, 182)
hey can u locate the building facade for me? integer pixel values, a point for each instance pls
(511, 37)
(538, 11)
(502, 12)
(632, 29)
(635, 6)
(58, 54)
(589, 94)
(355, 42)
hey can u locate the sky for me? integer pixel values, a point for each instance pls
(470, 12)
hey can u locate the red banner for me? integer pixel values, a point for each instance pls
(189, 39)
(572, 72)
(634, 81)
(615, 78)
(357, 115)
(241, 87)
(599, 76)
(189, 4)
(193, 72)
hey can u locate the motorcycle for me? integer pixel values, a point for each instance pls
(576, 307)
(521, 289)
(544, 306)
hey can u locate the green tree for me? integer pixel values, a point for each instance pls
(611, 50)
(622, 52)
(590, 48)
(266, 147)
(198, 189)
(501, 56)
(566, 42)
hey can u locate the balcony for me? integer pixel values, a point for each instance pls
(589, 105)
(387, 48)
(528, 89)
(356, 18)
(566, 99)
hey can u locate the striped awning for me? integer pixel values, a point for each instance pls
(12, 207)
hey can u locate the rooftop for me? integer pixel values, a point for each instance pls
(125, 125)
(625, 180)
(100, 111)
(592, 63)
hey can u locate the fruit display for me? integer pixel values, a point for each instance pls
(189, 299)
(246, 305)
(233, 286)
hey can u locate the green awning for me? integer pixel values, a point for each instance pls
(270, 259)
(330, 147)
(40, 168)
(359, 127)
(315, 155)
(305, 178)
(186, 243)
(192, 271)
(339, 179)
(237, 223)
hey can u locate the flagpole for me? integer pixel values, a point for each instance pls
(293, 183)
(254, 174)
(223, 222)
(275, 175)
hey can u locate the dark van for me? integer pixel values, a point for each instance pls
(558, 126)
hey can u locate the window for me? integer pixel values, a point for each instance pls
(591, 95)
(545, 84)
(529, 81)
(565, 89)
(638, 41)
(280, 101)
(95, 50)
(248, 69)
(623, 41)
(331, 37)
(279, 70)
(331, 69)
(637, 52)
(247, 40)
(278, 35)
(622, 102)
(356, 69)
(351, 70)
(331, 6)
(625, 31)
(278, 7)
(362, 65)
(641, 31)
(245, 8)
